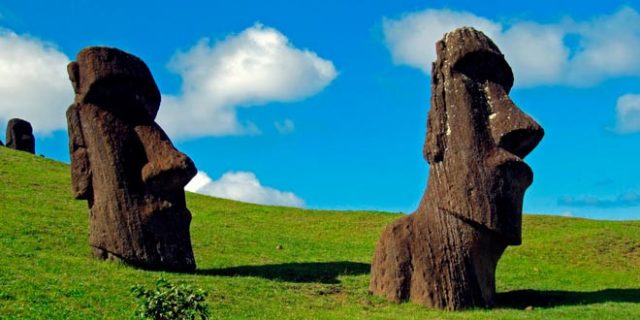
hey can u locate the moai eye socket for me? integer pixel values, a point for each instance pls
(116, 81)
(486, 66)
(123, 95)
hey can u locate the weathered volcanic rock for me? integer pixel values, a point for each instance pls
(124, 164)
(444, 255)
(20, 136)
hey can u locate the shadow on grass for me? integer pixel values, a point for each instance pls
(520, 299)
(321, 272)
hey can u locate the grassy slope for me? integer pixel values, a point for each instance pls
(570, 268)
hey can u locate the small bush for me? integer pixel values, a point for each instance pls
(171, 302)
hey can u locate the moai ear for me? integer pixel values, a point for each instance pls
(80, 167)
(74, 76)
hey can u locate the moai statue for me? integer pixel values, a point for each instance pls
(124, 164)
(444, 255)
(20, 136)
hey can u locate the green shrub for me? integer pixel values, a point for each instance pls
(168, 301)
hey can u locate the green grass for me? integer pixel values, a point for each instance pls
(567, 268)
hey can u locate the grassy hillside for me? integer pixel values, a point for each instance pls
(566, 268)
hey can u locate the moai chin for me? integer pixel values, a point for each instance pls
(20, 136)
(444, 255)
(124, 164)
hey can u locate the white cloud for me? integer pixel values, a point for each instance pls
(242, 186)
(536, 53)
(610, 47)
(412, 39)
(257, 66)
(285, 127)
(626, 199)
(540, 54)
(33, 82)
(628, 113)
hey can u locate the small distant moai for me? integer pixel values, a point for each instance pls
(124, 164)
(444, 255)
(20, 136)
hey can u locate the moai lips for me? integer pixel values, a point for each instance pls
(20, 136)
(444, 255)
(124, 164)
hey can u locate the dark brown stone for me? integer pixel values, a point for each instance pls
(20, 136)
(124, 164)
(444, 255)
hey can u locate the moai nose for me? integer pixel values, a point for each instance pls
(512, 129)
(168, 168)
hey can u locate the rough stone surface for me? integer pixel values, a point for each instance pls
(124, 164)
(444, 255)
(20, 136)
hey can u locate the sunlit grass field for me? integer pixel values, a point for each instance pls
(263, 262)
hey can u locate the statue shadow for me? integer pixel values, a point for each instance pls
(306, 272)
(520, 299)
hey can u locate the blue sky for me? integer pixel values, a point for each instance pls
(323, 104)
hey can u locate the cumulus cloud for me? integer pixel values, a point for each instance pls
(412, 38)
(242, 186)
(257, 66)
(610, 46)
(540, 54)
(628, 199)
(628, 113)
(33, 82)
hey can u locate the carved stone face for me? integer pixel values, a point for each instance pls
(477, 137)
(20, 135)
(125, 165)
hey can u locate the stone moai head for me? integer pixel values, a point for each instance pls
(124, 164)
(20, 136)
(477, 137)
(444, 255)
